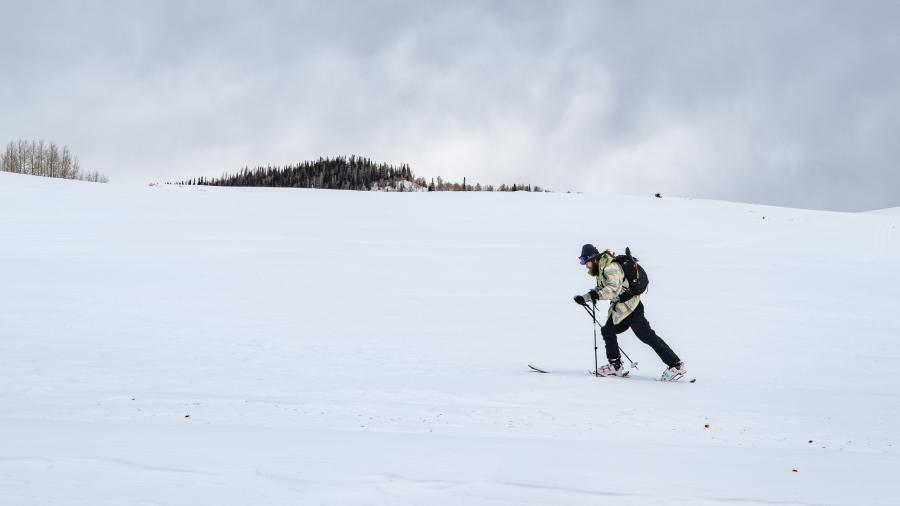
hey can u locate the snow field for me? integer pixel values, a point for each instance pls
(176, 345)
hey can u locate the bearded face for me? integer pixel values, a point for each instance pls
(593, 267)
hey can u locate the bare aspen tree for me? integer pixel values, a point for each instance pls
(41, 159)
(40, 167)
(10, 160)
(30, 158)
(53, 166)
(25, 154)
(76, 171)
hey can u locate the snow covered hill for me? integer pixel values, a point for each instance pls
(197, 345)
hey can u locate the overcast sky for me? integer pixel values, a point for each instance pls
(788, 103)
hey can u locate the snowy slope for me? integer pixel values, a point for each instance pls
(189, 345)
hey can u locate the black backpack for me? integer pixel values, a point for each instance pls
(634, 273)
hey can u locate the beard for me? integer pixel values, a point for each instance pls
(595, 269)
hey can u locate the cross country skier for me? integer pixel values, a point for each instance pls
(625, 311)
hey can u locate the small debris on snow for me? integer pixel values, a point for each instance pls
(187, 416)
(795, 470)
(706, 425)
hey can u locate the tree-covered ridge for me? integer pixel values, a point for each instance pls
(340, 173)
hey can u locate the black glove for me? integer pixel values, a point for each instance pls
(594, 295)
(625, 296)
(579, 299)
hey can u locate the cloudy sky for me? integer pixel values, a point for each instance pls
(787, 103)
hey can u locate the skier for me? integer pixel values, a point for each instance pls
(625, 311)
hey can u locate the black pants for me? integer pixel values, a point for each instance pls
(638, 323)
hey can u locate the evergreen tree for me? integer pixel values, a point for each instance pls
(340, 173)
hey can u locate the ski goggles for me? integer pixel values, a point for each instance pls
(583, 260)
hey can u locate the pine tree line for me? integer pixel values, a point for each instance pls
(340, 173)
(445, 186)
(41, 159)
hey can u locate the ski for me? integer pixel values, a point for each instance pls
(692, 380)
(594, 373)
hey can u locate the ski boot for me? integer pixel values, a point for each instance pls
(674, 373)
(614, 368)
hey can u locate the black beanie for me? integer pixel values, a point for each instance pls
(588, 251)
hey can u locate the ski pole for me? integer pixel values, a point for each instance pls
(594, 317)
(633, 364)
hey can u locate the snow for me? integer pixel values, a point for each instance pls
(198, 345)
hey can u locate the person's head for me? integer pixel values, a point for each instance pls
(590, 258)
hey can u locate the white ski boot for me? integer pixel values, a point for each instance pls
(610, 369)
(674, 373)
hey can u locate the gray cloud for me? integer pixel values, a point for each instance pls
(781, 103)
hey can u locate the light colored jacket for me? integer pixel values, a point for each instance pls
(610, 284)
